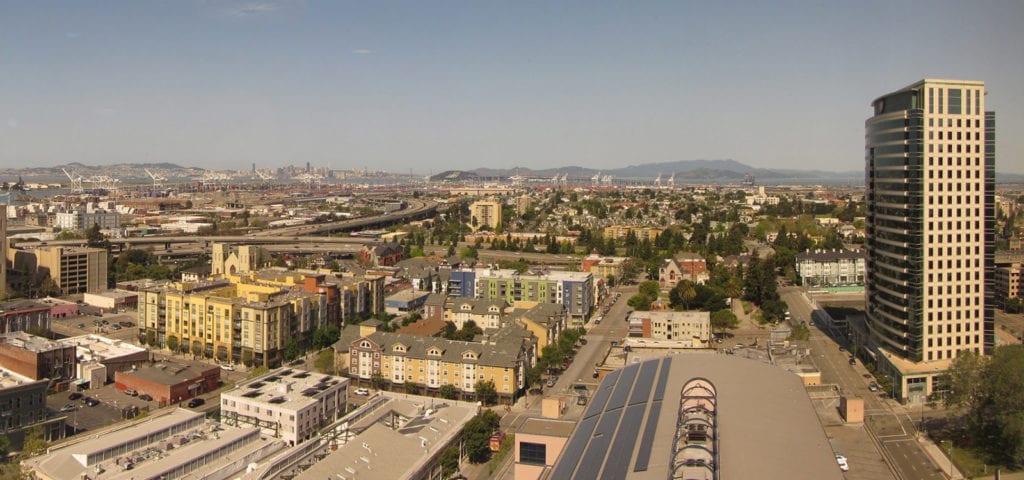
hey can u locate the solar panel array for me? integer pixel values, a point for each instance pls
(625, 408)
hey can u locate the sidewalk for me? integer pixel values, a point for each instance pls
(939, 457)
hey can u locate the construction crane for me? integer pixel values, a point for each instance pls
(156, 178)
(76, 182)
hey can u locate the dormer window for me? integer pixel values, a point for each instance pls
(469, 356)
(364, 344)
(399, 348)
(434, 352)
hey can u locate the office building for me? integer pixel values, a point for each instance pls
(485, 213)
(930, 174)
(23, 405)
(286, 403)
(72, 269)
(169, 382)
(39, 358)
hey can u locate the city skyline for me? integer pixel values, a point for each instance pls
(431, 87)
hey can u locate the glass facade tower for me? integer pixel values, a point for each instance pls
(930, 177)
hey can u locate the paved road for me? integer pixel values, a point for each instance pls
(890, 424)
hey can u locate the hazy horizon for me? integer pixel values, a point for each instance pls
(435, 86)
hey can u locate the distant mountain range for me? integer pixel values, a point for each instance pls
(711, 170)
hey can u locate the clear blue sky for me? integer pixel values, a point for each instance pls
(429, 86)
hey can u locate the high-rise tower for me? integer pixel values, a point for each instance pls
(930, 174)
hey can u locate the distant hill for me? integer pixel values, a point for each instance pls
(727, 170)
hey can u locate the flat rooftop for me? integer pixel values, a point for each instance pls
(285, 388)
(169, 373)
(10, 379)
(99, 348)
(379, 451)
(547, 426)
(765, 424)
(28, 342)
(155, 457)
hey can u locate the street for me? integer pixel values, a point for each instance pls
(888, 423)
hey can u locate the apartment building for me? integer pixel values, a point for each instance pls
(429, 363)
(691, 329)
(286, 403)
(234, 321)
(485, 213)
(604, 267)
(929, 272)
(573, 290)
(826, 268)
(620, 232)
(484, 313)
(545, 321)
(1007, 282)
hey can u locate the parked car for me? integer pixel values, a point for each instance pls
(115, 327)
(196, 402)
(361, 391)
(92, 402)
(596, 374)
(843, 464)
(228, 367)
(74, 396)
(146, 397)
(80, 325)
(551, 382)
(131, 393)
(69, 407)
(853, 361)
(873, 387)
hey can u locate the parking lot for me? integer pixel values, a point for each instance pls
(110, 409)
(122, 326)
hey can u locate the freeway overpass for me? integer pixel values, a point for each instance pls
(298, 234)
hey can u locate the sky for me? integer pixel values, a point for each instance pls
(426, 86)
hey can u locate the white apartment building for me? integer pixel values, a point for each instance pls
(286, 403)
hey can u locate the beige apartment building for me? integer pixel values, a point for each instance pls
(485, 213)
(231, 321)
(930, 173)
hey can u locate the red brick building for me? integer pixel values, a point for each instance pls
(169, 382)
(38, 358)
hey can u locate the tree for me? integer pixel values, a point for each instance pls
(449, 461)
(377, 381)
(486, 392)
(410, 388)
(291, 350)
(651, 288)
(325, 361)
(477, 433)
(640, 302)
(992, 392)
(172, 343)
(34, 441)
(533, 376)
(682, 294)
(723, 319)
(448, 391)
(324, 337)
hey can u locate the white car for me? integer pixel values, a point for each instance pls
(843, 464)
(361, 391)
(228, 367)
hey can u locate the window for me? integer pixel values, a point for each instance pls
(533, 453)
